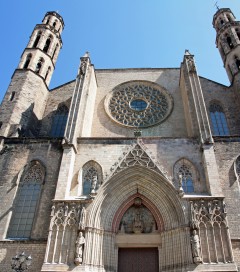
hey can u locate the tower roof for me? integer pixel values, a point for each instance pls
(54, 13)
(220, 11)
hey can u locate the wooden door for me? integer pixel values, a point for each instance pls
(138, 260)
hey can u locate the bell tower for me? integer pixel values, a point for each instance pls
(42, 51)
(25, 99)
(228, 42)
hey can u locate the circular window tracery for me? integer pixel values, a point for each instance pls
(138, 104)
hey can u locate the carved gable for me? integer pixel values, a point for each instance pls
(138, 156)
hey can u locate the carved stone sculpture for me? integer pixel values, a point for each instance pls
(79, 249)
(196, 247)
(94, 184)
(180, 182)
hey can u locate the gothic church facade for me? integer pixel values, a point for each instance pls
(121, 169)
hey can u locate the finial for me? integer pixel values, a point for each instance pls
(86, 55)
(187, 52)
(216, 5)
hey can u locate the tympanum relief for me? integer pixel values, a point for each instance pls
(137, 219)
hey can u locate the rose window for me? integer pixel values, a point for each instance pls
(138, 104)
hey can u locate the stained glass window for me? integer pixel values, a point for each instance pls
(219, 121)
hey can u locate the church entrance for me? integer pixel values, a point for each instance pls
(138, 260)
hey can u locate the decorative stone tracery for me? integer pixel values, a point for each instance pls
(138, 156)
(208, 221)
(138, 104)
(66, 221)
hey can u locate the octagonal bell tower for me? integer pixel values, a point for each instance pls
(25, 99)
(228, 42)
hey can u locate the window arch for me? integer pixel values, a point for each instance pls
(237, 62)
(189, 175)
(59, 121)
(39, 65)
(37, 39)
(26, 201)
(55, 23)
(218, 119)
(91, 177)
(55, 50)
(229, 41)
(47, 44)
(238, 33)
(47, 73)
(237, 167)
(28, 59)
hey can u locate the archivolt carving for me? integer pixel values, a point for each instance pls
(156, 100)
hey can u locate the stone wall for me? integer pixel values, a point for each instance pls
(10, 249)
(103, 126)
(14, 156)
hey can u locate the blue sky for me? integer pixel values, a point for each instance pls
(118, 34)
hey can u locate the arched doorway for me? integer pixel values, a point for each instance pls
(111, 240)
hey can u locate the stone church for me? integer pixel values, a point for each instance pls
(121, 170)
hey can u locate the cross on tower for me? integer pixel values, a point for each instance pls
(216, 5)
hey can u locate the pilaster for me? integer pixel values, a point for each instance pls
(194, 105)
(81, 110)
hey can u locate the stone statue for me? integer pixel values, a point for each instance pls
(137, 223)
(79, 249)
(94, 184)
(180, 182)
(196, 247)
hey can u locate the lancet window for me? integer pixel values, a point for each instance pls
(37, 39)
(47, 44)
(219, 121)
(185, 176)
(28, 59)
(91, 177)
(59, 121)
(26, 201)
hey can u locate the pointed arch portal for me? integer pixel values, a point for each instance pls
(115, 198)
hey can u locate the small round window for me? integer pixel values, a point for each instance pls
(138, 104)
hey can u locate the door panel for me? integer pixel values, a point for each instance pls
(138, 260)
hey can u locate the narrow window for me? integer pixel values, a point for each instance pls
(218, 120)
(39, 66)
(28, 59)
(229, 18)
(1, 125)
(37, 40)
(229, 41)
(237, 62)
(91, 178)
(54, 24)
(12, 96)
(26, 202)
(47, 44)
(55, 50)
(187, 180)
(48, 71)
(59, 122)
(238, 33)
